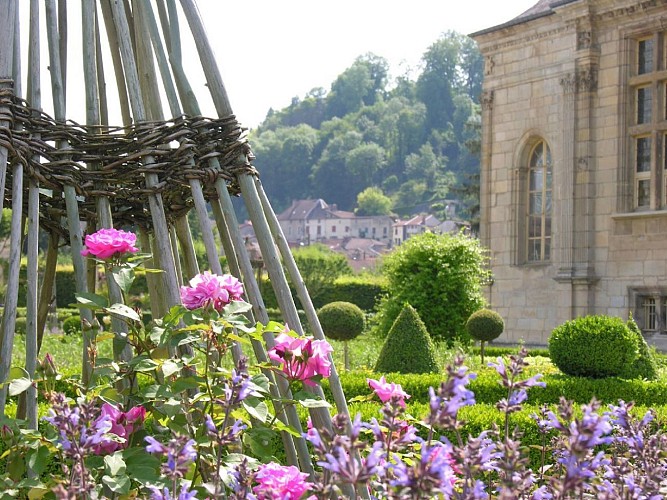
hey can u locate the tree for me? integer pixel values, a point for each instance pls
(363, 162)
(319, 266)
(441, 276)
(485, 325)
(372, 201)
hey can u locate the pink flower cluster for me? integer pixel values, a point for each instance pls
(385, 390)
(281, 482)
(208, 289)
(302, 358)
(110, 242)
(123, 424)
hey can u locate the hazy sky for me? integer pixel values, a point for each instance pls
(270, 51)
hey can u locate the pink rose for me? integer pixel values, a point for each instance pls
(385, 390)
(210, 289)
(281, 482)
(302, 358)
(122, 425)
(109, 242)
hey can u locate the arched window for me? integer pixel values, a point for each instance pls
(538, 213)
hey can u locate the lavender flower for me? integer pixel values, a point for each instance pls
(451, 396)
(180, 452)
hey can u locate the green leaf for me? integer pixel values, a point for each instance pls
(145, 365)
(38, 460)
(124, 277)
(237, 307)
(314, 403)
(123, 311)
(114, 465)
(118, 484)
(90, 300)
(184, 384)
(260, 383)
(259, 439)
(170, 367)
(19, 380)
(256, 408)
(280, 426)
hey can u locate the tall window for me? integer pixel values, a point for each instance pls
(648, 123)
(539, 204)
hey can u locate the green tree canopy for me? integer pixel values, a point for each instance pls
(372, 201)
(319, 266)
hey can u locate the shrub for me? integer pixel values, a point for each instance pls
(645, 366)
(319, 267)
(72, 325)
(593, 346)
(485, 325)
(362, 290)
(408, 347)
(441, 276)
(341, 320)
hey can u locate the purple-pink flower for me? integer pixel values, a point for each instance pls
(386, 390)
(123, 424)
(281, 482)
(302, 358)
(208, 289)
(109, 242)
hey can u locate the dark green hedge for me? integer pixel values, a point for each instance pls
(488, 390)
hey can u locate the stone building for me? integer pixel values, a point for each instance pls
(574, 165)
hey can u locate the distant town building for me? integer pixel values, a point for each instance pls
(312, 221)
(574, 165)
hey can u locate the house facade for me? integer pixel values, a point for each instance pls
(574, 165)
(312, 221)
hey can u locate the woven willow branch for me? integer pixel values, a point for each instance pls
(32, 138)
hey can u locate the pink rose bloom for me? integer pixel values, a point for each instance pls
(385, 390)
(123, 424)
(108, 242)
(211, 289)
(302, 358)
(281, 482)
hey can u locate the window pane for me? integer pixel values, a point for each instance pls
(644, 193)
(650, 313)
(536, 179)
(534, 250)
(644, 105)
(643, 154)
(547, 248)
(645, 62)
(535, 204)
(536, 158)
(534, 227)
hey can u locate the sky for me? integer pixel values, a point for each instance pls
(270, 51)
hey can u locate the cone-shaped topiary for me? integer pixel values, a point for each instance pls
(408, 347)
(485, 325)
(342, 321)
(645, 366)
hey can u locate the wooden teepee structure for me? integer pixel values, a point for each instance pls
(149, 172)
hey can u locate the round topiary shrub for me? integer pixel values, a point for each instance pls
(485, 325)
(593, 346)
(342, 321)
(408, 347)
(72, 325)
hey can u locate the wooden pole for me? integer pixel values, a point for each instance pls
(32, 276)
(7, 17)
